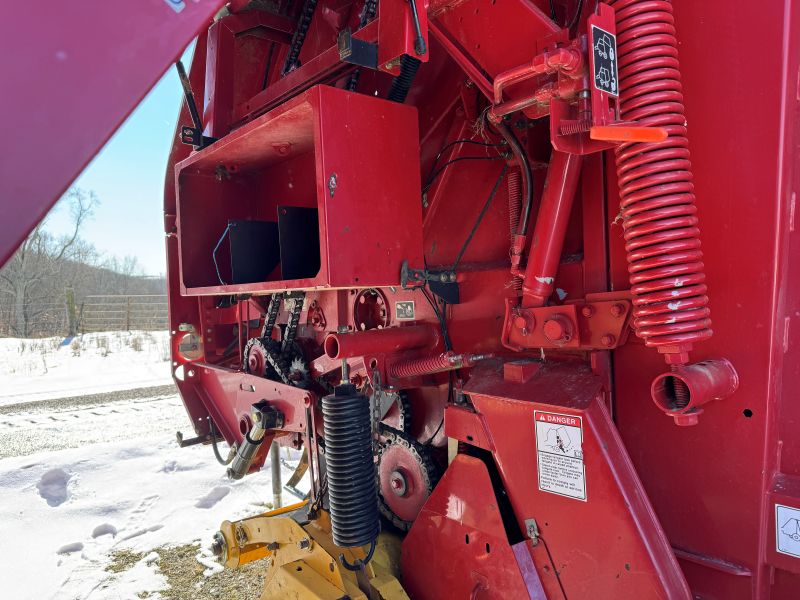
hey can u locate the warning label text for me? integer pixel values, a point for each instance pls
(559, 453)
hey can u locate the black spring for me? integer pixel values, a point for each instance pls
(402, 83)
(352, 492)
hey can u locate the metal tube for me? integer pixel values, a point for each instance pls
(682, 391)
(247, 451)
(551, 228)
(277, 485)
(380, 341)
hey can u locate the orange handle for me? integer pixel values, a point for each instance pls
(625, 133)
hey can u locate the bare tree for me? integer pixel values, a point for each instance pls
(33, 280)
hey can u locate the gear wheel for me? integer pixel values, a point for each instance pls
(297, 371)
(255, 357)
(263, 357)
(406, 477)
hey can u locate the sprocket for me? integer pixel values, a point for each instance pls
(255, 358)
(399, 414)
(263, 357)
(406, 476)
(297, 372)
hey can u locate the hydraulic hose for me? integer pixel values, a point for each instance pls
(402, 83)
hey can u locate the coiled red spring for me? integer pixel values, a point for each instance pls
(514, 199)
(514, 187)
(423, 366)
(665, 262)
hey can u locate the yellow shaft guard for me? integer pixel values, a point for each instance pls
(302, 561)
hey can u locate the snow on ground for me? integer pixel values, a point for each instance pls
(91, 363)
(88, 477)
(63, 513)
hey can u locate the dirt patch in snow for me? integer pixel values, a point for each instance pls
(186, 576)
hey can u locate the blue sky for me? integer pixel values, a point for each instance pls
(128, 177)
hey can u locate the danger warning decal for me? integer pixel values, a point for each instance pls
(559, 454)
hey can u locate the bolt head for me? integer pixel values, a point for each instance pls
(557, 329)
(553, 330)
(398, 483)
(587, 311)
(617, 310)
(608, 340)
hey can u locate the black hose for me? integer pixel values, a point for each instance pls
(527, 176)
(217, 454)
(359, 562)
(402, 83)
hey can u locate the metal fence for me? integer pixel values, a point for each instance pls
(122, 313)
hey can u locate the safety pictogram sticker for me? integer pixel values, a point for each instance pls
(559, 454)
(787, 530)
(604, 59)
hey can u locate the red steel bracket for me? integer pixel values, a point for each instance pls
(397, 33)
(587, 325)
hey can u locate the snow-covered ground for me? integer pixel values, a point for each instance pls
(113, 479)
(47, 368)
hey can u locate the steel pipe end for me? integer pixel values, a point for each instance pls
(682, 392)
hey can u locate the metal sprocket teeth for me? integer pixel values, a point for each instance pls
(406, 476)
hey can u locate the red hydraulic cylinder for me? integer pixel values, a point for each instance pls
(380, 341)
(551, 227)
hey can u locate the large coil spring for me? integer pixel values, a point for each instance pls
(658, 207)
(352, 491)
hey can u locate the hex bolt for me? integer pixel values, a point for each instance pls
(617, 310)
(608, 340)
(304, 544)
(398, 483)
(587, 311)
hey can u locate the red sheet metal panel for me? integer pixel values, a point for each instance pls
(458, 542)
(72, 72)
(331, 150)
(709, 484)
(563, 464)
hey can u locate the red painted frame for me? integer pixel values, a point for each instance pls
(713, 487)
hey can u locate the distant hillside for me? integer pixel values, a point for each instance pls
(43, 308)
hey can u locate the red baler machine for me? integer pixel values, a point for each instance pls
(451, 251)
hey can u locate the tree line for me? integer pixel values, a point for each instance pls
(49, 271)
